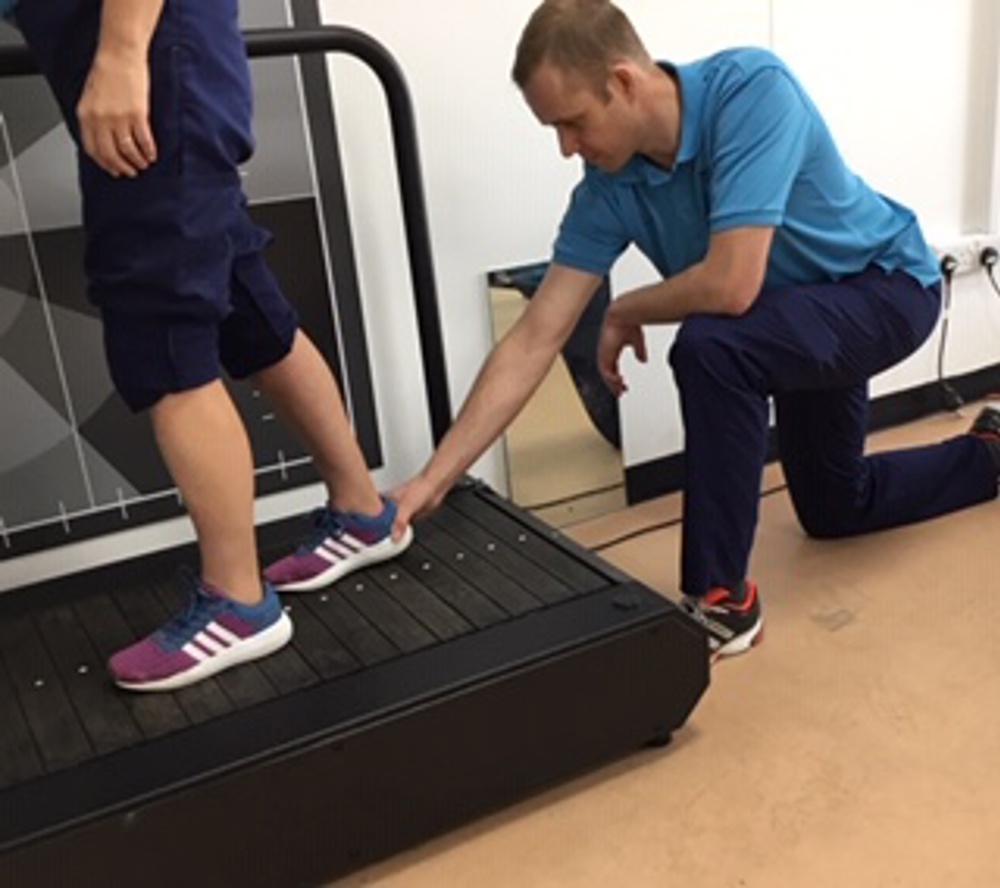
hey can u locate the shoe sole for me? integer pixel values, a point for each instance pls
(741, 643)
(383, 551)
(265, 642)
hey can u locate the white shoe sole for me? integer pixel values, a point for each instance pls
(741, 644)
(383, 551)
(271, 639)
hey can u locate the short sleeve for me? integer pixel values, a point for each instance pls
(591, 236)
(759, 140)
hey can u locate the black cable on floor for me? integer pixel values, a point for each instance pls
(952, 399)
(992, 278)
(663, 525)
(574, 496)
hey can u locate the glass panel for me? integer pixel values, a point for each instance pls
(69, 447)
(563, 452)
(41, 471)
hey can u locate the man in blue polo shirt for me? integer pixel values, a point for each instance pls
(790, 278)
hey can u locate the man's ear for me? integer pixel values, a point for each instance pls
(622, 80)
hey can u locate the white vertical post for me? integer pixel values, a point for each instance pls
(990, 20)
(994, 176)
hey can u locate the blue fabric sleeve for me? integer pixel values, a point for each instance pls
(591, 236)
(758, 141)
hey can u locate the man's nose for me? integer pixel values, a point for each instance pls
(568, 144)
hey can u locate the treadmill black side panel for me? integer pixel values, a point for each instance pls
(360, 794)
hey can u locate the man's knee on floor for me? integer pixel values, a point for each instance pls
(825, 519)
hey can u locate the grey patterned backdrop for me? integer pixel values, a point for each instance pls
(73, 461)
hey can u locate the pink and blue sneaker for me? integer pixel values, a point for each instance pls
(213, 633)
(338, 545)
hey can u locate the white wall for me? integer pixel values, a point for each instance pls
(496, 182)
(909, 89)
(495, 189)
(908, 86)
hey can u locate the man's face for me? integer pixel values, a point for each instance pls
(598, 128)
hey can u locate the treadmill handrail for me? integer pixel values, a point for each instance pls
(269, 42)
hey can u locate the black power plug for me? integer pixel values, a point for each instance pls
(948, 266)
(988, 258)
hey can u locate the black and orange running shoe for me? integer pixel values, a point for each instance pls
(986, 427)
(732, 619)
(987, 424)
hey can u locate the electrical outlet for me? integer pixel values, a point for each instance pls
(967, 252)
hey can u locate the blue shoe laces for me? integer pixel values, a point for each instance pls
(326, 523)
(181, 628)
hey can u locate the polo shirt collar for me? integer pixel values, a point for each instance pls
(692, 107)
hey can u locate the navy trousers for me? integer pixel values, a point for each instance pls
(173, 259)
(813, 349)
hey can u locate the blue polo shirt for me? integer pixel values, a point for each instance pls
(754, 151)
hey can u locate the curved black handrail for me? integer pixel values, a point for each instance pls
(294, 41)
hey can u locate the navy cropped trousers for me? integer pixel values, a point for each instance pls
(173, 259)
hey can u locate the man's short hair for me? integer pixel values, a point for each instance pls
(586, 36)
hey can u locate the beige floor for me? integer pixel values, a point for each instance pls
(858, 746)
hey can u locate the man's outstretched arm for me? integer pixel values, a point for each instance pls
(513, 371)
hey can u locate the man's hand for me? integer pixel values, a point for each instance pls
(513, 371)
(415, 498)
(615, 337)
(114, 114)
